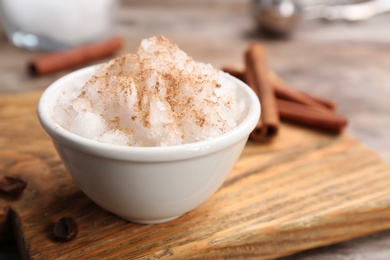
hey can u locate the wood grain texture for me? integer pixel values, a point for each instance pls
(304, 190)
(345, 62)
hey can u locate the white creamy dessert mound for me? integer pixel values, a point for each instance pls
(157, 97)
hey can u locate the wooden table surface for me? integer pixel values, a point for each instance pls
(355, 58)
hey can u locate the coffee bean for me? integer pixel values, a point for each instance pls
(65, 229)
(12, 185)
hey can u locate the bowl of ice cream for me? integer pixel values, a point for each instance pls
(142, 151)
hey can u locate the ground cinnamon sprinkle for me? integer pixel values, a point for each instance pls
(162, 94)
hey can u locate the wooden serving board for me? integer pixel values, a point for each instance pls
(304, 190)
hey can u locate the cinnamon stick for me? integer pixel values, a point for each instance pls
(311, 116)
(256, 76)
(283, 91)
(74, 57)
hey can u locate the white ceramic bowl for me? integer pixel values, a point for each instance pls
(146, 184)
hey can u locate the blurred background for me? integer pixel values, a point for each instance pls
(338, 49)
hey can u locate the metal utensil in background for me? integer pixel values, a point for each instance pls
(280, 17)
(277, 17)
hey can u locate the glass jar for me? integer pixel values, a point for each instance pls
(56, 24)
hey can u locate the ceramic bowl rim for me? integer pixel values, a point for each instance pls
(129, 153)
